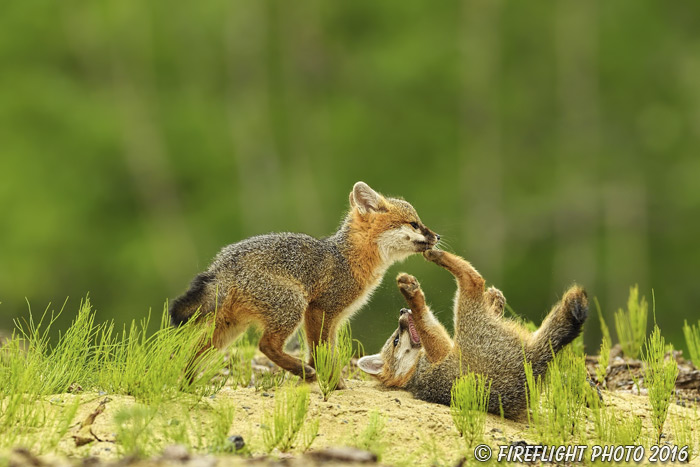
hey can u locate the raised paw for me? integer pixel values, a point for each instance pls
(408, 284)
(576, 302)
(495, 300)
(434, 255)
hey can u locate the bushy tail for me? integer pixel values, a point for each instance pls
(198, 297)
(561, 326)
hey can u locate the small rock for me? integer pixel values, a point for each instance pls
(27, 458)
(176, 452)
(82, 440)
(204, 461)
(90, 461)
(345, 454)
(235, 443)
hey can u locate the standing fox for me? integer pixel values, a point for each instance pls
(280, 280)
(421, 357)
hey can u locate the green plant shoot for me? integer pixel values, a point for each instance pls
(661, 374)
(468, 405)
(631, 325)
(330, 359)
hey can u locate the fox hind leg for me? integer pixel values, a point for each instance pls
(320, 327)
(561, 326)
(494, 300)
(272, 345)
(230, 321)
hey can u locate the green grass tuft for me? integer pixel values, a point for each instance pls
(556, 405)
(468, 405)
(612, 426)
(241, 358)
(331, 358)
(631, 325)
(150, 367)
(134, 434)
(372, 437)
(282, 426)
(603, 361)
(660, 379)
(692, 340)
(684, 433)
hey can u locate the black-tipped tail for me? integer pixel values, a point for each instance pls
(186, 305)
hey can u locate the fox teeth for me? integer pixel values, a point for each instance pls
(412, 330)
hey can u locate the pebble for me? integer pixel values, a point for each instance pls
(236, 443)
(206, 461)
(344, 455)
(176, 452)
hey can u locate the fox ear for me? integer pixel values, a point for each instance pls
(365, 199)
(371, 364)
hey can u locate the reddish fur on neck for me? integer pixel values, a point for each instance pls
(362, 235)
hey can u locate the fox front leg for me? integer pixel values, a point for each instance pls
(433, 336)
(470, 282)
(320, 327)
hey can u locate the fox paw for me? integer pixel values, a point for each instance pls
(408, 285)
(434, 255)
(576, 302)
(495, 300)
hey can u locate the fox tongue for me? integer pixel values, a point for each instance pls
(415, 338)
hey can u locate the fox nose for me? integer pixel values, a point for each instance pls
(403, 311)
(437, 237)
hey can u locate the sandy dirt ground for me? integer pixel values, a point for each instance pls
(416, 433)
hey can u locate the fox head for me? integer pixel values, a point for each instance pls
(390, 223)
(395, 363)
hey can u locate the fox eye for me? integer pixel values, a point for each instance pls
(414, 225)
(396, 341)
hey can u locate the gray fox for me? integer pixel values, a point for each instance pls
(421, 358)
(279, 280)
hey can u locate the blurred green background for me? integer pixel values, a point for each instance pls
(547, 142)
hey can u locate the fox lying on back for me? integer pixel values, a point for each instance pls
(278, 280)
(421, 358)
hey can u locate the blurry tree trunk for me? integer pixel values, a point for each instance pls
(481, 168)
(261, 46)
(145, 153)
(255, 147)
(577, 215)
(626, 240)
(295, 48)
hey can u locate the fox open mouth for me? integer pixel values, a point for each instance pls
(424, 246)
(415, 338)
